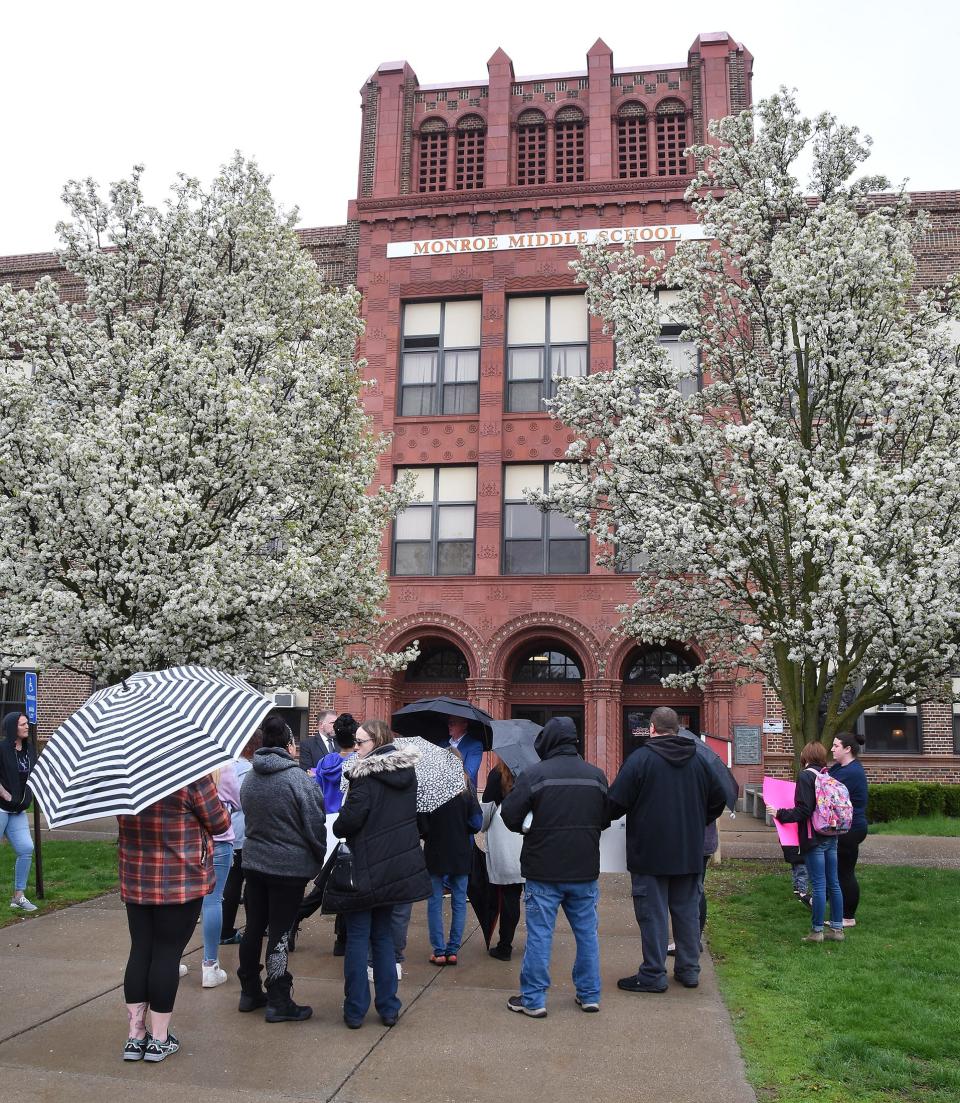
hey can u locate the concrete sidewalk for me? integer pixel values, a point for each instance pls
(62, 1026)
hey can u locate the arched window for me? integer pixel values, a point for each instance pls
(652, 664)
(438, 663)
(569, 160)
(548, 665)
(532, 148)
(432, 165)
(632, 155)
(671, 138)
(471, 139)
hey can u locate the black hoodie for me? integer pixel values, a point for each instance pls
(10, 777)
(567, 797)
(669, 794)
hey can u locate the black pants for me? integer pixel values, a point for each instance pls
(703, 894)
(509, 913)
(272, 904)
(159, 934)
(232, 893)
(848, 850)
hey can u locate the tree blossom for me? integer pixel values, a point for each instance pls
(184, 458)
(798, 515)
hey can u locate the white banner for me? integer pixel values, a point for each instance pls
(549, 239)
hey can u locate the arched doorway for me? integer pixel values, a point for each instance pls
(545, 679)
(643, 672)
(440, 670)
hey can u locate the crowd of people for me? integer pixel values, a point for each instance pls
(257, 831)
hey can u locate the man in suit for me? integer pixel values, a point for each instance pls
(314, 747)
(469, 747)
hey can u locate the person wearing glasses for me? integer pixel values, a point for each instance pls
(284, 848)
(378, 820)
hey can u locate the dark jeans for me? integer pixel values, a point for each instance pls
(656, 902)
(509, 913)
(848, 850)
(272, 904)
(159, 934)
(232, 894)
(371, 928)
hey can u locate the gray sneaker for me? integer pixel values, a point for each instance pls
(159, 1051)
(515, 1003)
(23, 904)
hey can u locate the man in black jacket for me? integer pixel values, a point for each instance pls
(669, 794)
(560, 860)
(315, 747)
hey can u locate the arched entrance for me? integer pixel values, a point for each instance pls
(643, 672)
(440, 670)
(544, 680)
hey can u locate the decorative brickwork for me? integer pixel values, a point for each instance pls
(368, 139)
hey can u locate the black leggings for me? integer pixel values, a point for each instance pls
(848, 850)
(159, 934)
(509, 913)
(272, 904)
(232, 892)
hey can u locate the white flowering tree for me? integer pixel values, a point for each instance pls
(184, 459)
(799, 514)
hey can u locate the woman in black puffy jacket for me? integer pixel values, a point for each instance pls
(378, 821)
(16, 762)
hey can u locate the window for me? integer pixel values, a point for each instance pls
(534, 541)
(436, 535)
(551, 665)
(671, 139)
(651, 665)
(532, 148)
(544, 330)
(440, 369)
(569, 159)
(632, 158)
(683, 354)
(471, 139)
(893, 728)
(432, 167)
(13, 694)
(439, 663)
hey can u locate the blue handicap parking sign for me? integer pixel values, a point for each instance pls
(30, 693)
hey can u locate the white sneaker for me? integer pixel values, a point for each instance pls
(213, 975)
(184, 968)
(22, 904)
(399, 971)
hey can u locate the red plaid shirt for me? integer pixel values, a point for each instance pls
(166, 853)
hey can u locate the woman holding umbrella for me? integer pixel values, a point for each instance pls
(16, 762)
(378, 820)
(166, 869)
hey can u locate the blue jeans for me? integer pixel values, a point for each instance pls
(579, 901)
(371, 929)
(821, 864)
(212, 912)
(458, 912)
(16, 827)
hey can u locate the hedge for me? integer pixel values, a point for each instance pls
(903, 800)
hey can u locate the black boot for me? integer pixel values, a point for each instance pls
(252, 994)
(280, 1005)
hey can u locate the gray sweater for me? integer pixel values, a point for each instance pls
(286, 830)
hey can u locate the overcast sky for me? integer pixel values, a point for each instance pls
(93, 88)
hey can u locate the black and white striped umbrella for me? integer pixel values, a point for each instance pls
(134, 743)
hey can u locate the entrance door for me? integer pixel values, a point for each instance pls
(636, 718)
(540, 714)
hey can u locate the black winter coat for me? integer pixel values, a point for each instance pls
(669, 794)
(804, 803)
(10, 777)
(448, 835)
(378, 820)
(568, 798)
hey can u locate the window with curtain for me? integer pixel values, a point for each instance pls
(437, 534)
(546, 342)
(440, 358)
(534, 541)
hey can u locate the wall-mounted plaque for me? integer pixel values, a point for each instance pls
(746, 745)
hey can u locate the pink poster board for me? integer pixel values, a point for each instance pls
(778, 793)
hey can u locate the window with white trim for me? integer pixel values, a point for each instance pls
(546, 342)
(535, 541)
(437, 534)
(440, 358)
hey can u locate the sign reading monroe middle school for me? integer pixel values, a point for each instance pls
(548, 239)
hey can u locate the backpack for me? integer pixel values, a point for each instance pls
(833, 813)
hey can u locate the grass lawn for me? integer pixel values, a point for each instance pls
(72, 871)
(948, 826)
(870, 1020)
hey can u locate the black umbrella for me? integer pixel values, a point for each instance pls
(513, 741)
(428, 719)
(483, 896)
